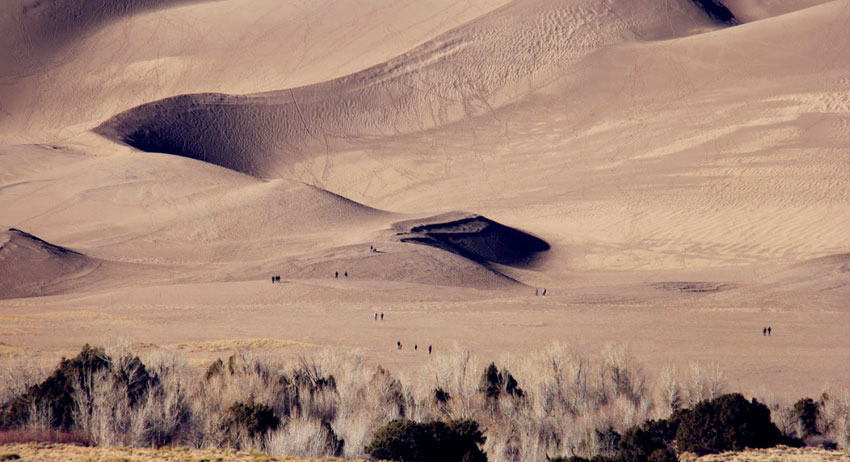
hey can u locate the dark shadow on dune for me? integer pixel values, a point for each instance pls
(39, 244)
(717, 11)
(694, 287)
(32, 30)
(30, 266)
(474, 237)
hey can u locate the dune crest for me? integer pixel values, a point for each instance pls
(475, 237)
(466, 72)
(31, 267)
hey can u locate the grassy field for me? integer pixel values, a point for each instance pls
(50, 452)
(777, 454)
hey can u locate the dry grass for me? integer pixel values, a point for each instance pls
(49, 452)
(233, 344)
(777, 454)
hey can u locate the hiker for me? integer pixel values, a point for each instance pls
(399, 345)
(346, 274)
(272, 279)
(544, 292)
(764, 332)
(382, 315)
(415, 347)
(429, 349)
(535, 291)
(376, 316)
(768, 331)
(336, 274)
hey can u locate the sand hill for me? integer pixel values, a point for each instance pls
(676, 179)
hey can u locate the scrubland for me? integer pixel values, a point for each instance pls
(556, 402)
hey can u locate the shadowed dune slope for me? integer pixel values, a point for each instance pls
(35, 29)
(754, 10)
(717, 11)
(31, 267)
(475, 237)
(466, 72)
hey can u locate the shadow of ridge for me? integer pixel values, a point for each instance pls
(717, 11)
(474, 237)
(41, 244)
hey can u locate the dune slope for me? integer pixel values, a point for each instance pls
(463, 73)
(32, 267)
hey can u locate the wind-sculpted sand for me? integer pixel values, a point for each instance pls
(675, 182)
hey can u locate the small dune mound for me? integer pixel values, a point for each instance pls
(697, 287)
(474, 237)
(32, 267)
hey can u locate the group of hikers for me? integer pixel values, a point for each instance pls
(415, 347)
(766, 331)
(537, 291)
(336, 274)
(275, 279)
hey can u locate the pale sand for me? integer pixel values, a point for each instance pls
(690, 178)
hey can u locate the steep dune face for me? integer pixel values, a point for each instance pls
(31, 267)
(463, 73)
(475, 237)
(101, 57)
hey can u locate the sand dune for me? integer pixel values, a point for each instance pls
(463, 73)
(31, 267)
(101, 57)
(472, 236)
(685, 176)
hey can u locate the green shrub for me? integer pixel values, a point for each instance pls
(726, 423)
(806, 411)
(642, 441)
(55, 394)
(409, 441)
(493, 383)
(254, 418)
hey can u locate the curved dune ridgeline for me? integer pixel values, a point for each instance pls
(32, 267)
(475, 237)
(463, 73)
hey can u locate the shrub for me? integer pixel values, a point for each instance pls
(493, 383)
(806, 412)
(641, 442)
(255, 419)
(55, 394)
(409, 441)
(727, 423)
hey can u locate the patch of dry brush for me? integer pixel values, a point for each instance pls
(557, 402)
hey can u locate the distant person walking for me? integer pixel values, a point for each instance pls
(376, 316)
(768, 331)
(336, 274)
(429, 349)
(764, 332)
(536, 292)
(346, 274)
(544, 292)
(415, 347)
(382, 315)
(398, 344)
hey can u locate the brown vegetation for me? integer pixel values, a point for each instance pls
(557, 402)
